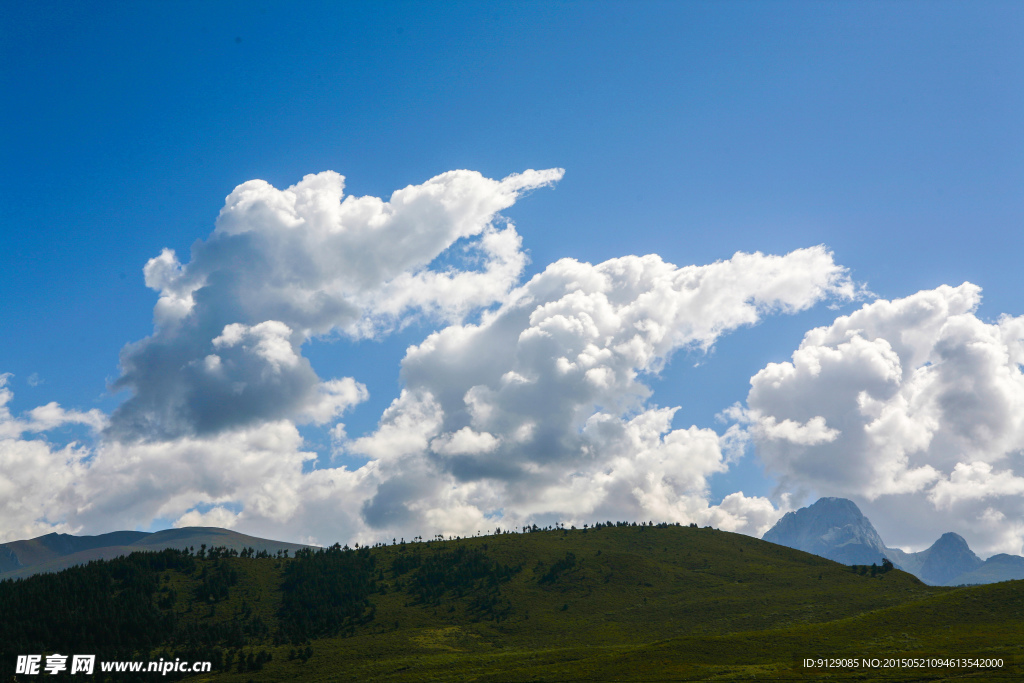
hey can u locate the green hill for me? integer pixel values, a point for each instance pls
(54, 552)
(610, 603)
(52, 546)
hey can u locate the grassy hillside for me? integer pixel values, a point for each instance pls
(613, 603)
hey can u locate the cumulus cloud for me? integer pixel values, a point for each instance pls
(36, 477)
(812, 433)
(537, 412)
(283, 266)
(35, 481)
(42, 418)
(216, 517)
(913, 406)
(541, 410)
(975, 481)
(254, 477)
(530, 404)
(464, 441)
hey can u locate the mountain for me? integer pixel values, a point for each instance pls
(1001, 567)
(942, 563)
(834, 528)
(606, 603)
(54, 552)
(947, 559)
(51, 546)
(8, 560)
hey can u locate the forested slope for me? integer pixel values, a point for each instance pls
(611, 601)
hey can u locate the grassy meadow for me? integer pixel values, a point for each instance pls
(630, 603)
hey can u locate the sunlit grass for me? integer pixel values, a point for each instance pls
(650, 603)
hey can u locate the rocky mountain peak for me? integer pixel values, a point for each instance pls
(832, 527)
(948, 558)
(836, 528)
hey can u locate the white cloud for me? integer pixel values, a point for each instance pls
(465, 441)
(51, 416)
(541, 410)
(915, 400)
(36, 477)
(250, 479)
(535, 410)
(406, 427)
(123, 485)
(36, 480)
(334, 397)
(746, 515)
(811, 433)
(42, 418)
(975, 481)
(283, 266)
(216, 517)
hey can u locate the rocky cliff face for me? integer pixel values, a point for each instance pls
(834, 528)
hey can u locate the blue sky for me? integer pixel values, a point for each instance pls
(890, 133)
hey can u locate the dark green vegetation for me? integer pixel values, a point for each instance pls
(637, 603)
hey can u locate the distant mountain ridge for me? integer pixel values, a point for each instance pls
(999, 567)
(836, 529)
(54, 552)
